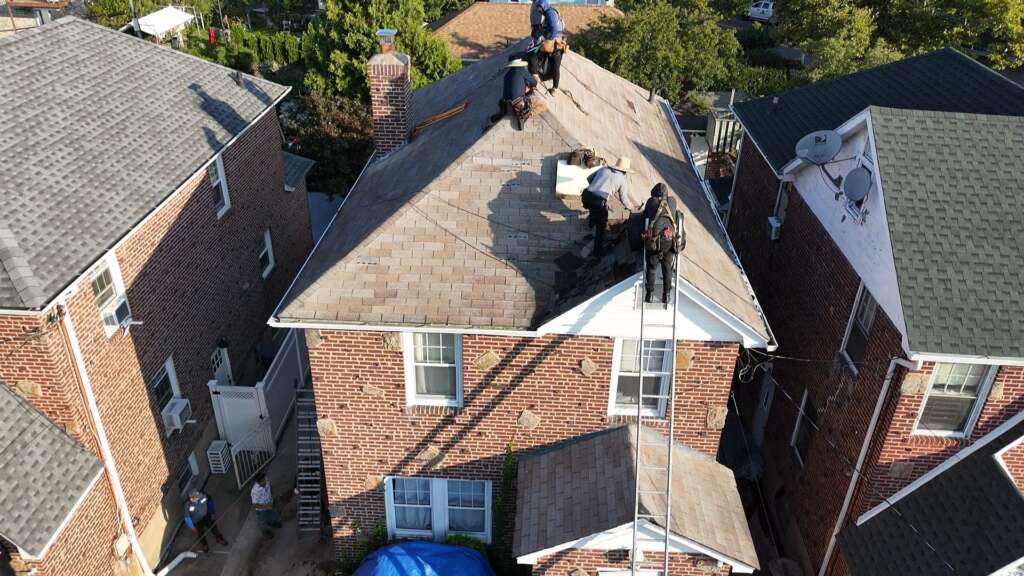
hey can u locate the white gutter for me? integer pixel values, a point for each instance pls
(104, 445)
(970, 359)
(177, 560)
(314, 325)
(868, 436)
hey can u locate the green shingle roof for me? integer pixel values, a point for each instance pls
(953, 186)
(945, 81)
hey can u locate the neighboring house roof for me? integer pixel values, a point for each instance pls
(484, 28)
(99, 128)
(295, 169)
(969, 515)
(461, 228)
(43, 471)
(945, 81)
(586, 485)
(950, 184)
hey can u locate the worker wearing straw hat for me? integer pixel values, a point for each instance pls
(518, 84)
(607, 182)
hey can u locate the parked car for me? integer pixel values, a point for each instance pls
(763, 11)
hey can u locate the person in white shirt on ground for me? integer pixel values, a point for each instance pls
(263, 502)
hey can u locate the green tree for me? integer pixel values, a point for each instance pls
(852, 47)
(337, 46)
(437, 9)
(117, 13)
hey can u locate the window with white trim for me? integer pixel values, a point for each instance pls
(626, 376)
(435, 508)
(954, 399)
(433, 369)
(164, 385)
(859, 328)
(266, 258)
(108, 293)
(219, 183)
(613, 572)
(804, 429)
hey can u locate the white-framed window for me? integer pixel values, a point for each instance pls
(433, 369)
(188, 473)
(437, 507)
(855, 342)
(266, 257)
(164, 386)
(953, 401)
(620, 572)
(804, 428)
(108, 293)
(220, 361)
(219, 183)
(626, 376)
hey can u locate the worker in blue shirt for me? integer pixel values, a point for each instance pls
(548, 42)
(551, 22)
(517, 86)
(199, 517)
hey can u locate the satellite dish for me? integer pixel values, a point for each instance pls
(819, 148)
(857, 184)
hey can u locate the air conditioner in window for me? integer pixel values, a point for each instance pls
(120, 314)
(774, 227)
(176, 413)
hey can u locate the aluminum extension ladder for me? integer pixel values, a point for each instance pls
(309, 463)
(647, 461)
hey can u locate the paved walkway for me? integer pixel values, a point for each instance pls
(248, 553)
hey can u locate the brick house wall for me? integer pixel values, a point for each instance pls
(1013, 460)
(359, 385)
(807, 289)
(192, 279)
(590, 561)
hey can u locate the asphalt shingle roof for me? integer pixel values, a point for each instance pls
(99, 127)
(587, 485)
(43, 472)
(952, 189)
(944, 81)
(971, 514)
(295, 169)
(462, 227)
(484, 28)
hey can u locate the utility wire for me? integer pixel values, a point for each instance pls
(852, 466)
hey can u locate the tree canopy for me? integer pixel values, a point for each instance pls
(337, 46)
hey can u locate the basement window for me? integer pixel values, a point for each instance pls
(219, 183)
(626, 376)
(433, 369)
(435, 508)
(954, 399)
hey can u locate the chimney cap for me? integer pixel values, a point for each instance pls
(386, 37)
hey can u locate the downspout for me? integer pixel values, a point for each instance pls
(896, 361)
(187, 555)
(104, 444)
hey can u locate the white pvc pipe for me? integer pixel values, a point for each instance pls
(896, 361)
(104, 444)
(177, 560)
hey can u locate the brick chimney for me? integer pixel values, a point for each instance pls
(390, 93)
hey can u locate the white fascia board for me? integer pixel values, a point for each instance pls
(67, 519)
(949, 463)
(277, 309)
(620, 538)
(845, 128)
(1005, 570)
(344, 327)
(961, 359)
(751, 339)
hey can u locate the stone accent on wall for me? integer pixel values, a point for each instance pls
(528, 420)
(29, 389)
(587, 367)
(487, 360)
(915, 383)
(326, 427)
(716, 417)
(392, 341)
(371, 390)
(684, 358)
(901, 470)
(313, 338)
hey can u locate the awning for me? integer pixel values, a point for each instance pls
(164, 20)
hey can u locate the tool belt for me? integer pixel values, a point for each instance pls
(520, 106)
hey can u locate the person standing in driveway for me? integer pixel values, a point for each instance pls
(199, 517)
(263, 502)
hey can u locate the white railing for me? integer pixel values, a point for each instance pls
(253, 452)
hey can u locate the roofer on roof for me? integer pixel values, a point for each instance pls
(518, 85)
(551, 22)
(607, 182)
(661, 241)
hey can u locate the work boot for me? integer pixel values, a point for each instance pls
(648, 296)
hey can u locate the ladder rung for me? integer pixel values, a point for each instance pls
(655, 468)
(650, 516)
(654, 397)
(658, 492)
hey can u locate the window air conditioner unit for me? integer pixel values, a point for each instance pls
(176, 413)
(120, 314)
(774, 227)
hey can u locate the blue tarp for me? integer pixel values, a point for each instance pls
(424, 559)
